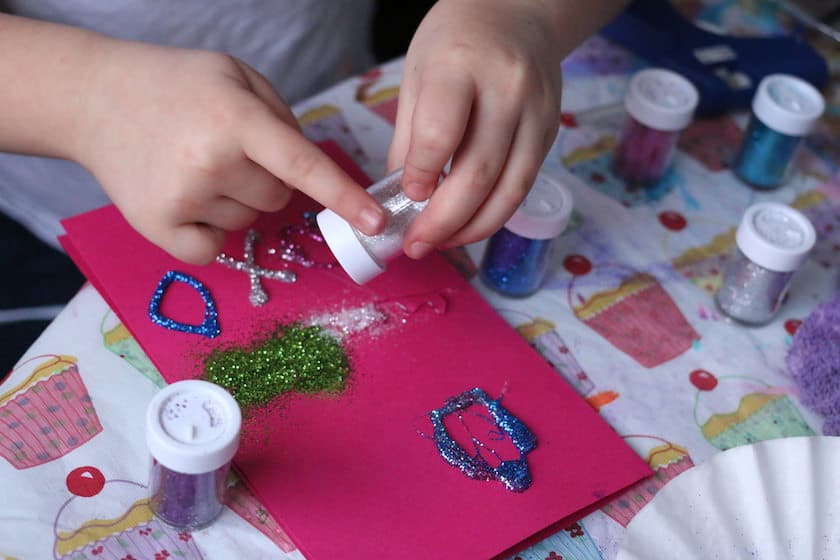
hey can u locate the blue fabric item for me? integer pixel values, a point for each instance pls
(654, 30)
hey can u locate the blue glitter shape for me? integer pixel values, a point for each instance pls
(210, 326)
(514, 474)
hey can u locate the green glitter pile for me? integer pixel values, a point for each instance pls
(296, 358)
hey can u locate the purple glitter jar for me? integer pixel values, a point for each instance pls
(192, 430)
(518, 256)
(659, 105)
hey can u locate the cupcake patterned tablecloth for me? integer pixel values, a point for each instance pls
(627, 318)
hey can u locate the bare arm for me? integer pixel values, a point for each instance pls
(46, 71)
(188, 144)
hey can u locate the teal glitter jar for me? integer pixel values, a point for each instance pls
(785, 109)
(517, 257)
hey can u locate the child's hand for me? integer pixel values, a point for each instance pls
(481, 83)
(190, 144)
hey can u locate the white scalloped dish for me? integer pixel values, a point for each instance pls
(777, 499)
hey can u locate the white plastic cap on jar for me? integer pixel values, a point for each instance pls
(788, 104)
(545, 212)
(661, 99)
(775, 236)
(347, 248)
(193, 426)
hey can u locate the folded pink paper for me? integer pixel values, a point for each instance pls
(357, 474)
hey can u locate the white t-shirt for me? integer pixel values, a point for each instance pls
(301, 46)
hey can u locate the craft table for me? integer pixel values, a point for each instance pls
(627, 317)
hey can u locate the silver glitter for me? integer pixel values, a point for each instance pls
(751, 293)
(257, 296)
(351, 321)
(400, 211)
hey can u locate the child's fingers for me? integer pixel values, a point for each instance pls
(266, 92)
(514, 183)
(191, 243)
(475, 169)
(228, 214)
(402, 127)
(439, 119)
(287, 154)
(257, 188)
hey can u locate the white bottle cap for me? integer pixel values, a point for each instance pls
(775, 236)
(661, 99)
(193, 427)
(347, 248)
(544, 213)
(788, 104)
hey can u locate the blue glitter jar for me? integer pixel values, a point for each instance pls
(785, 108)
(517, 258)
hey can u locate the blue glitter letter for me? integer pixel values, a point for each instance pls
(210, 326)
(513, 474)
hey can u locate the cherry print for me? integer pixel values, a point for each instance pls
(85, 481)
(577, 265)
(703, 380)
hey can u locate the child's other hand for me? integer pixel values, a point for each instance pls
(191, 144)
(481, 84)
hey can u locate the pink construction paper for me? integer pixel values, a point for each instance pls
(349, 476)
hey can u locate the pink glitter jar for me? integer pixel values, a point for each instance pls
(659, 104)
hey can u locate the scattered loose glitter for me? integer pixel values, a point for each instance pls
(514, 474)
(258, 296)
(351, 321)
(292, 251)
(208, 328)
(296, 358)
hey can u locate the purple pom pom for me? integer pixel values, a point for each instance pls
(814, 362)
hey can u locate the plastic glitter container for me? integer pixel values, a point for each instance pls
(772, 241)
(659, 105)
(517, 257)
(192, 430)
(785, 108)
(364, 257)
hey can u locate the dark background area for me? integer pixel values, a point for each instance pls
(394, 24)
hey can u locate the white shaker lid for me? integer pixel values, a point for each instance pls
(347, 248)
(661, 99)
(788, 104)
(775, 236)
(545, 212)
(193, 427)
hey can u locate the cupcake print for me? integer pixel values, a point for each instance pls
(667, 461)
(736, 410)
(326, 122)
(112, 520)
(45, 411)
(118, 340)
(629, 309)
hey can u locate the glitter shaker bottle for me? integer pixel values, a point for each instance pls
(772, 240)
(785, 108)
(364, 257)
(192, 430)
(659, 105)
(517, 257)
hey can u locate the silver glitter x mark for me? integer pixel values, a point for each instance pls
(258, 296)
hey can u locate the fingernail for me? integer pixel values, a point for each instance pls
(418, 249)
(371, 221)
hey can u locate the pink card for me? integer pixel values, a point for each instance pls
(361, 472)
